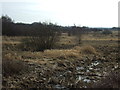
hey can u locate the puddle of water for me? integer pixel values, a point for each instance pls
(95, 63)
(87, 70)
(59, 87)
(97, 69)
(84, 78)
(79, 68)
(87, 80)
(90, 68)
(80, 78)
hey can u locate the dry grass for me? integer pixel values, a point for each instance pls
(100, 37)
(67, 40)
(88, 50)
(78, 48)
(76, 52)
(11, 55)
(62, 54)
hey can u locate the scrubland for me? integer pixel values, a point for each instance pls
(67, 65)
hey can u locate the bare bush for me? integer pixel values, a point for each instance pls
(12, 67)
(38, 43)
(42, 39)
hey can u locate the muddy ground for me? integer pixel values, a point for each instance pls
(64, 72)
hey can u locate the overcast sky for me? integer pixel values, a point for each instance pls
(92, 13)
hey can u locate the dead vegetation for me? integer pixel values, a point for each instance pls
(62, 53)
(88, 50)
(80, 66)
(12, 67)
(112, 80)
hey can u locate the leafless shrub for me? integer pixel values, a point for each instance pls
(11, 67)
(39, 42)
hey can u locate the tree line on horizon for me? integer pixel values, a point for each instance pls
(9, 28)
(42, 36)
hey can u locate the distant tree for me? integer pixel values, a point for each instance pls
(77, 31)
(7, 19)
(79, 35)
(7, 26)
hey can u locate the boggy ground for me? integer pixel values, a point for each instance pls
(79, 67)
